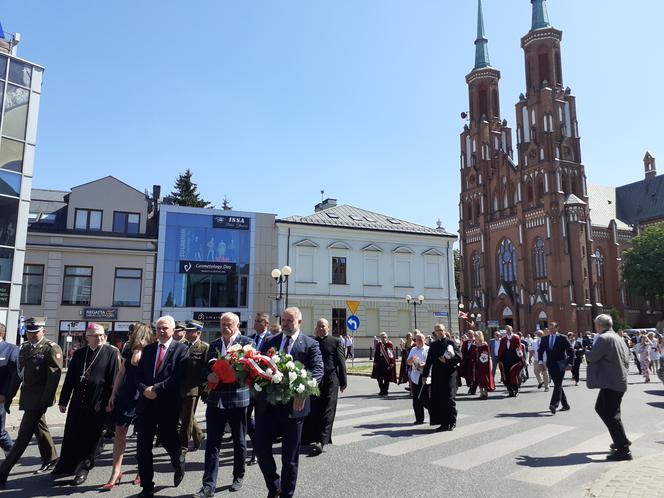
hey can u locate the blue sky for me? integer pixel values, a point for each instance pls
(270, 102)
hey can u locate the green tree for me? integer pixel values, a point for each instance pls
(457, 269)
(185, 192)
(618, 322)
(643, 263)
(226, 204)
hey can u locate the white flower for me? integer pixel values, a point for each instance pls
(288, 357)
(247, 348)
(292, 376)
(258, 387)
(290, 365)
(274, 360)
(234, 348)
(312, 383)
(303, 373)
(277, 377)
(300, 389)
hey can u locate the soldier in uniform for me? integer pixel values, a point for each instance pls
(192, 384)
(179, 331)
(40, 367)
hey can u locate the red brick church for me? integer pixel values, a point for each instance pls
(539, 244)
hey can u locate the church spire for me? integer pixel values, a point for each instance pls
(481, 43)
(540, 15)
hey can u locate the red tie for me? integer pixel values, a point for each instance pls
(286, 344)
(160, 357)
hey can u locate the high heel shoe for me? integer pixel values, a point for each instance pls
(110, 485)
(137, 480)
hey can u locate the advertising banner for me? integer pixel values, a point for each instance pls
(207, 267)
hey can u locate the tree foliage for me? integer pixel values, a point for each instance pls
(618, 321)
(226, 204)
(185, 192)
(643, 263)
(457, 269)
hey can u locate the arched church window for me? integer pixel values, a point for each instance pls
(541, 270)
(475, 262)
(507, 261)
(599, 271)
(540, 188)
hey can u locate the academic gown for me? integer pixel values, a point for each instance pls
(385, 364)
(483, 368)
(86, 398)
(468, 364)
(442, 404)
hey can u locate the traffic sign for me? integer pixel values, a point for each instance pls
(353, 323)
(352, 306)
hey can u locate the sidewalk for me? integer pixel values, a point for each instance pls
(640, 478)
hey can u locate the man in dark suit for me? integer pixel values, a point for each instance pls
(9, 382)
(317, 429)
(159, 379)
(227, 403)
(260, 335)
(285, 420)
(559, 357)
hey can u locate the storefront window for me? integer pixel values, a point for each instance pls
(8, 219)
(16, 112)
(6, 263)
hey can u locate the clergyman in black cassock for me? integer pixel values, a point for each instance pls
(317, 428)
(442, 362)
(85, 394)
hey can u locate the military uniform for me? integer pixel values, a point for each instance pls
(40, 367)
(194, 377)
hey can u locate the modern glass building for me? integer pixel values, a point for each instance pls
(212, 261)
(20, 92)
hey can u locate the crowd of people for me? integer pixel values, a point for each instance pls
(155, 382)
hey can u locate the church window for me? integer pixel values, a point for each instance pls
(544, 71)
(507, 261)
(599, 270)
(529, 191)
(496, 104)
(476, 208)
(540, 188)
(475, 261)
(559, 71)
(541, 270)
(484, 102)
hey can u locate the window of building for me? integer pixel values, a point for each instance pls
(3, 68)
(338, 270)
(88, 219)
(475, 262)
(126, 222)
(10, 183)
(507, 261)
(77, 285)
(33, 283)
(127, 289)
(11, 155)
(540, 188)
(371, 272)
(8, 221)
(338, 321)
(541, 270)
(16, 112)
(599, 270)
(6, 264)
(20, 73)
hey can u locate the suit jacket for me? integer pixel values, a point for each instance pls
(167, 380)
(232, 395)
(332, 350)
(513, 351)
(306, 351)
(608, 362)
(9, 379)
(492, 346)
(254, 337)
(560, 355)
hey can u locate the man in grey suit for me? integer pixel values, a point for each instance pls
(608, 362)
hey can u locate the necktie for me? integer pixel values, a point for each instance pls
(286, 344)
(258, 342)
(160, 357)
(551, 340)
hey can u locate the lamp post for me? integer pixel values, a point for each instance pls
(415, 302)
(281, 277)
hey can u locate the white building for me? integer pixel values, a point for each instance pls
(343, 253)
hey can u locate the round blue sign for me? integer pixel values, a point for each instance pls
(353, 323)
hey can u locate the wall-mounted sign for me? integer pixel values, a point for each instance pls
(207, 267)
(207, 316)
(4, 295)
(237, 222)
(100, 313)
(440, 313)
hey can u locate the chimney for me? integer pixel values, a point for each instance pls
(326, 204)
(649, 166)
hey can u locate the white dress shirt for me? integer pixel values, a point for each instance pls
(156, 358)
(290, 346)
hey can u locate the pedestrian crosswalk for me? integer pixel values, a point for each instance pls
(535, 448)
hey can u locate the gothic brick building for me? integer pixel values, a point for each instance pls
(530, 252)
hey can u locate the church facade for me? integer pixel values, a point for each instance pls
(530, 252)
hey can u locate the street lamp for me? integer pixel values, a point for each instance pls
(281, 277)
(415, 302)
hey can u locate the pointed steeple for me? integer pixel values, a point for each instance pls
(481, 43)
(540, 15)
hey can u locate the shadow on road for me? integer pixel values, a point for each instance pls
(656, 404)
(558, 461)
(523, 414)
(655, 393)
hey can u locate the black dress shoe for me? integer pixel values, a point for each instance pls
(178, 475)
(146, 493)
(252, 460)
(3, 479)
(317, 448)
(204, 492)
(565, 408)
(237, 484)
(539, 386)
(619, 456)
(80, 478)
(274, 494)
(552, 409)
(197, 446)
(46, 466)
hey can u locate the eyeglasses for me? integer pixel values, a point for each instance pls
(94, 335)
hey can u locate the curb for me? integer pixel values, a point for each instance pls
(640, 478)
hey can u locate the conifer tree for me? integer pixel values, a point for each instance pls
(226, 204)
(185, 192)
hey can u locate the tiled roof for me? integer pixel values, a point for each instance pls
(345, 216)
(602, 203)
(641, 201)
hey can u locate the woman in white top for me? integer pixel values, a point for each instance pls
(643, 349)
(416, 360)
(655, 353)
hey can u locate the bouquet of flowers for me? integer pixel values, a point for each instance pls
(284, 379)
(234, 366)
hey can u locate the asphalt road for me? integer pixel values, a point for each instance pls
(502, 447)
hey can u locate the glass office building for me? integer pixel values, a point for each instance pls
(20, 91)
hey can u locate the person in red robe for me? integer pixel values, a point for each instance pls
(385, 364)
(483, 366)
(510, 361)
(468, 361)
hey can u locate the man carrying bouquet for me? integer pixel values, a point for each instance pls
(285, 420)
(227, 402)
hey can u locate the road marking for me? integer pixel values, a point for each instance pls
(365, 434)
(359, 411)
(502, 447)
(371, 418)
(549, 475)
(428, 440)
(344, 405)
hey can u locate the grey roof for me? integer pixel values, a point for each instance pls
(641, 201)
(345, 216)
(47, 202)
(573, 200)
(602, 203)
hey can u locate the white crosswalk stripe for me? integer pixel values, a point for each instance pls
(552, 474)
(358, 411)
(502, 447)
(371, 418)
(344, 405)
(428, 440)
(365, 434)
